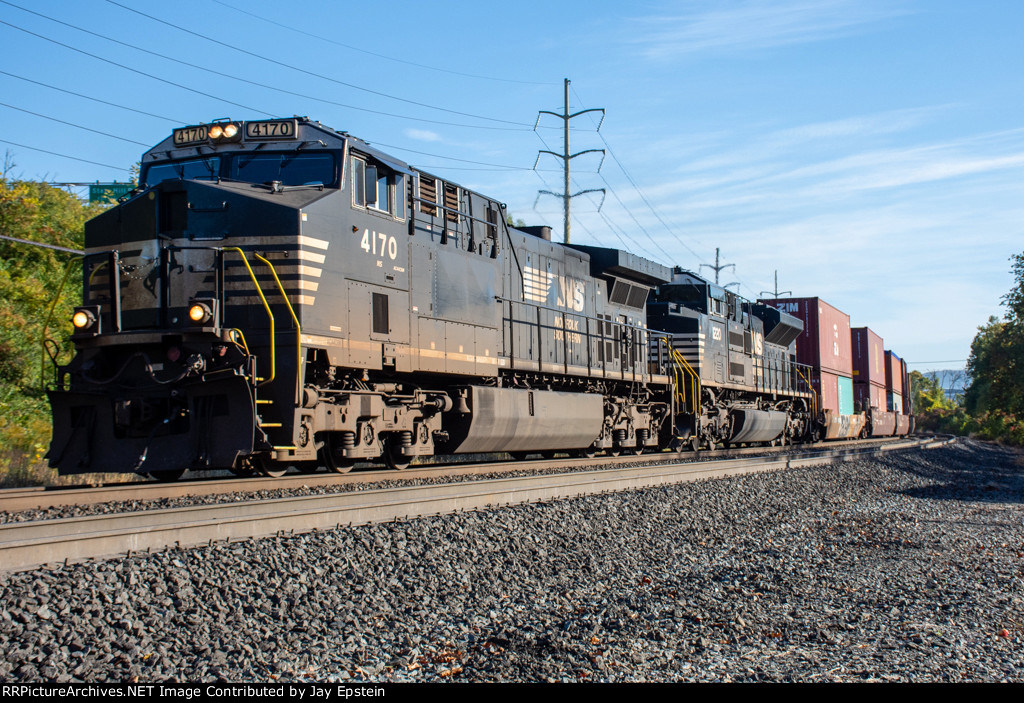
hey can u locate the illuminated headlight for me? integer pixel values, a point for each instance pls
(85, 319)
(199, 312)
(202, 311)
(224, 132)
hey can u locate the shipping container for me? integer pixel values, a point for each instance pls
(868, 356)
(868, 395)
(825, 342)
(835, 393)
(895, 403)
(893, 373)
(908, 392)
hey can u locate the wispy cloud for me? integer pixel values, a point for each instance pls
(423, 135)
(755, 24)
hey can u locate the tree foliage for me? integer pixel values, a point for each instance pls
(995, 397)
(30, 278)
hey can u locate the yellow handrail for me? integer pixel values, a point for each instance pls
(235, 331)
(266, 306)
(681, 363)
(298, 327)
(49, 317)
(814, 394)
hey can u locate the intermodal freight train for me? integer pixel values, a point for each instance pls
(279, 294)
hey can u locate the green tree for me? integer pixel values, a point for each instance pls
(995, 397)
(928, 393)
(30, 277)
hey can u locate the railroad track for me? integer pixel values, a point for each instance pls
(31, 544)
(42, 497)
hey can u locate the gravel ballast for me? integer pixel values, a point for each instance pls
(904, 568)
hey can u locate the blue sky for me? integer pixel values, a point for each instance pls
(870, 152)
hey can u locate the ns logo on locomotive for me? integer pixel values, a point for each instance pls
(279, 294)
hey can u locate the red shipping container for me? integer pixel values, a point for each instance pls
(868, 356)
(825, 342)
(908, 392)
(835, 393)
(893, 373)
(868, 395)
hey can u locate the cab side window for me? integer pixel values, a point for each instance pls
(378, 188)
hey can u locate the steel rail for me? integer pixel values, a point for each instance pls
(39, 498)
(31, 544)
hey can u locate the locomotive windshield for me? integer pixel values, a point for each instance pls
(290, 168)
(183, 170)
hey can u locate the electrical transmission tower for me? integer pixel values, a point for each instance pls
(566, 157)
(718, 268)
(777, 292)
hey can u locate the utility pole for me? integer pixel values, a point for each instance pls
(566, 157)
(777, 292)
(718, 268)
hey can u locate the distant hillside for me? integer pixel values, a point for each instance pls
(953, 382)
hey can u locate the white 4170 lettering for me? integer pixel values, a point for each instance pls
(377, 243)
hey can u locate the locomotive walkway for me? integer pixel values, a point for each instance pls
(27, 545)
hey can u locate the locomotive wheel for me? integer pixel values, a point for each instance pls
(333, 459)
(394, 458)
(242, 470)
(270, 468)
(695, 443)
(587, 453)
(638, 449)
(167, 476)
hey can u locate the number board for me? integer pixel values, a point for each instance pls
(186, 136)
(271, 129)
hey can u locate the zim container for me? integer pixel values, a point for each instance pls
(868, 356)
(825, 342)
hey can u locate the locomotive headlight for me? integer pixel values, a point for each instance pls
(224, 132)
(199, 312)
(86, 319)
(82, 319)
(202, 311)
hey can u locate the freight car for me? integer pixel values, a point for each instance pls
(279, 294)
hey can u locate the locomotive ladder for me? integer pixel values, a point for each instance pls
(273, 336)
(683, 372)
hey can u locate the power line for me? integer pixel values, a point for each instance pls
(265, 86)
(72, 124)
(440, 156)
(40, 244)
(718, 268)
(97, 100)
(135, 70)
(54, 153)
(643, 197)
(313, 73)
(372, 53)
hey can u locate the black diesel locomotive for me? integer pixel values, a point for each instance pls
(279, 294)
